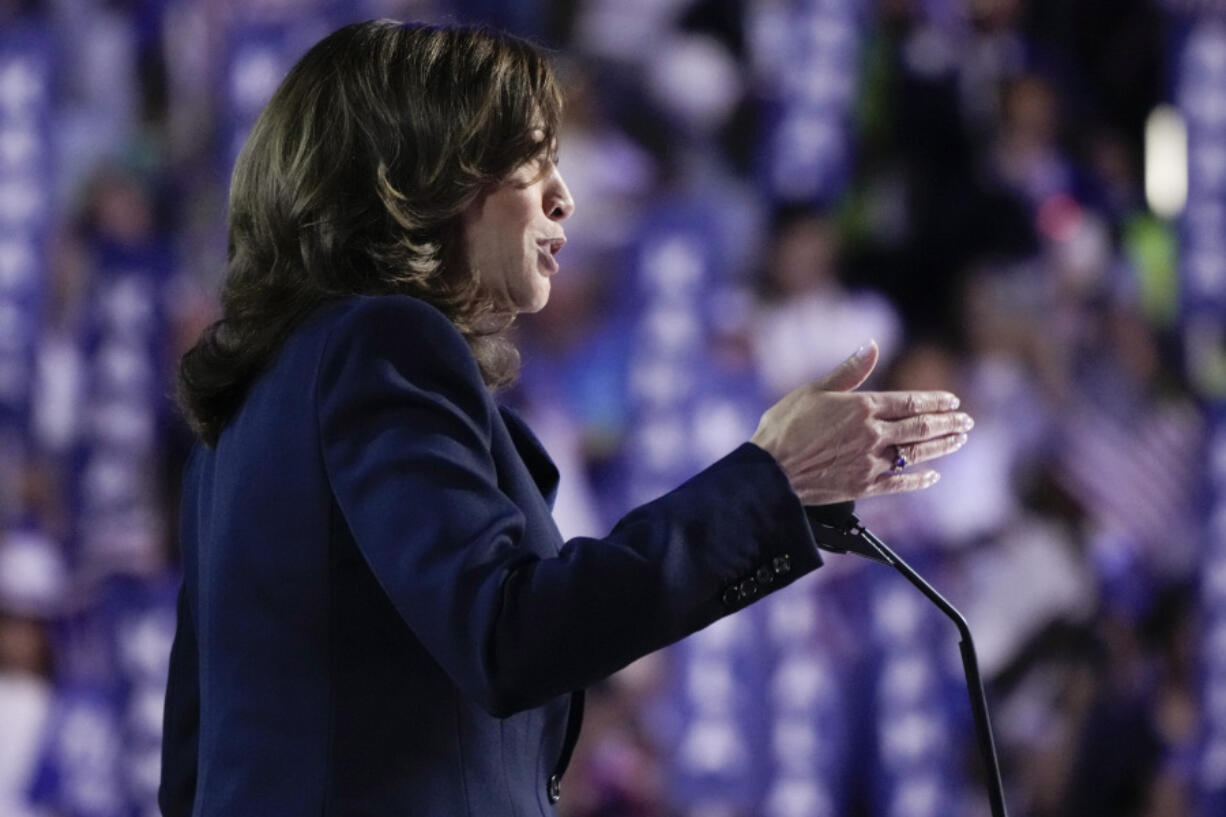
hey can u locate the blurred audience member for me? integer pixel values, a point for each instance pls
(808, 321)
(1129, 452)
(1027, 156)
(33, 584)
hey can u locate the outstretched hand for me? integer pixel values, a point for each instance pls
(837, 444)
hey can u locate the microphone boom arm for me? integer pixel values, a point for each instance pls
(853, 537)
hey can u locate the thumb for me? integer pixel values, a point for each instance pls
(852, 372)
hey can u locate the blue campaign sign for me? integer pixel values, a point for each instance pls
(808, 693)
(101, 755)
(116, 496)
(78, 775)
(918, 726)
(673, 265)
(688, 401)
(1200, 91)
(763, 705)
(257, 58)
(713, 741)
(807, 53)
(261, 46)
(26, 75)
(757, 702)
(1211, 771)
(141, 625)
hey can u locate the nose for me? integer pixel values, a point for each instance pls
(559, 204)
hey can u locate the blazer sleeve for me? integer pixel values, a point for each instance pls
(405, 428)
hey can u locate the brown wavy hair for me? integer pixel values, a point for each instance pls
(353, 181)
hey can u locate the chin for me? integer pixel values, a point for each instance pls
(536, 300)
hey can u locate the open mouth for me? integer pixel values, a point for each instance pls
(553, 245)
(549, 249)
(549, 264)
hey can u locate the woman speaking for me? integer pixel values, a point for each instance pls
(378, 615)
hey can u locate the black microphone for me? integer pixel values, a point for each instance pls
(834, 529)
(837, 529)
(830, 515)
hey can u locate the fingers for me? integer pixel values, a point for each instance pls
(924, 427)
(903, 481)
(915, 453)
(853, 371)
(835, 445)
(897, 405)
(892, 481)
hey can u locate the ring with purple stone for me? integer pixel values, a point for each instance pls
(900, 461)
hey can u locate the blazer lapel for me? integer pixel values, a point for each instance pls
(541, 468)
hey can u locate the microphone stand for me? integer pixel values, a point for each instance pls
(849, 535)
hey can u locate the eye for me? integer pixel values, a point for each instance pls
(526, 173)
(533, 170)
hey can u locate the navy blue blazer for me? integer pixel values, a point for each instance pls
(378, 615)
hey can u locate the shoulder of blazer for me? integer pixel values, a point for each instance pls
(410, 315)
(404, 338)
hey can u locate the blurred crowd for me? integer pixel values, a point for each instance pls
(762, 186)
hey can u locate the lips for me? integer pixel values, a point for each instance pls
(549, 264)
(553, 245)
(549, 248)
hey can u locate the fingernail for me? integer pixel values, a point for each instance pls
(933, 479)
(954, 402)
(864, 350)
(967, 423)
(962, 438)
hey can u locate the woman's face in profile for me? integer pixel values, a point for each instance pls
(512, 235)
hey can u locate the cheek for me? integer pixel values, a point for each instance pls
(514, 239)
(499, 232)
(486, 243)
(514, 208)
